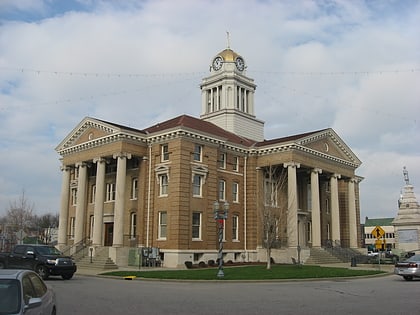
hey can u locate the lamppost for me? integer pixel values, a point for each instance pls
(220, 215)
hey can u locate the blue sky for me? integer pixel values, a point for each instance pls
(353, 66)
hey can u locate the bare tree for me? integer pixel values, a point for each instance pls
(20, 214)
(274, 205)
(48, 220)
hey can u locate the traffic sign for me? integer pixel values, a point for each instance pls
(378, 232)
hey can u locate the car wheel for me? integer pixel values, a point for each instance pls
(67, 276)
(2, 265)
(42, 271)
(408, 278)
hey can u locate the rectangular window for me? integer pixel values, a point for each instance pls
(309, 196)
(327, 205)
(162, 225)
(72, 227)
(198, 152)
(235, 163)
(110, 192)
(197, 187)
(163, 185)
(196, 226)
(134, 188)
(164, 152)
(74, 196)
(222, 190)
(235, 230)
(222, 160)
(133, 225)
(235, 192)
(92, 194)
(91, 222)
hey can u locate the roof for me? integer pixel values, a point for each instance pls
(10, 273)
(379, 222)
(228, 55)
(287, 139)
(199, 125)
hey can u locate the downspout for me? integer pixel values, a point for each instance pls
(149, 196)
(245, 206)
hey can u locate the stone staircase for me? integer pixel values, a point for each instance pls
(319, 256)
(100, 261)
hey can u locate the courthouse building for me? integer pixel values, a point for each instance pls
(125, 188)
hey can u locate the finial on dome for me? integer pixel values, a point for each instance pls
(228, 39)
(405, 172)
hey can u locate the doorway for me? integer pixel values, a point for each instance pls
(109, 234)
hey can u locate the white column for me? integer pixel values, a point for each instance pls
(352, 214)
(118, 239)
(98, 214)
(292, 204)
(218, 98)
(211, 101)
(335, 211)
(81, 202)
(64, 207)
(316, 209)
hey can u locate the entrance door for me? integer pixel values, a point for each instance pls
(109, 234)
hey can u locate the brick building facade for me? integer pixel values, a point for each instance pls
(125, 188)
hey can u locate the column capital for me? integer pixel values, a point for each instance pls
(81, 164)
(291, 164)
(336, 176)
(316, 170)
(122, 155)
(99, 160)
(355, 180)
(65, 168)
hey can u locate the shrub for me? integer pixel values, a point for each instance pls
(189, 264)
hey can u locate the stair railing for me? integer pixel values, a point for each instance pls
(78, 249)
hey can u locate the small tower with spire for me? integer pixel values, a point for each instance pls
(407, 221)
(227, 96)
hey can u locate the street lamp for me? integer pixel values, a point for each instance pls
(220, 215)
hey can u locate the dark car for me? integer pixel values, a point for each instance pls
(409, 268)
(44, 259)
(24, 292)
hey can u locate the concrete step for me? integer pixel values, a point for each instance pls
(99, 261)
(320, 256)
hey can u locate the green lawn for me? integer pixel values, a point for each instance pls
(249, 273)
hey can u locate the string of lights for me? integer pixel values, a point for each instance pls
(178, 74)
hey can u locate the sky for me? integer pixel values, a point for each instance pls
(353, 66)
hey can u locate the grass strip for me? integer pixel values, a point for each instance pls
(249, 273)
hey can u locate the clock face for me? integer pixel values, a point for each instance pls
(217, 63)
(240, 64)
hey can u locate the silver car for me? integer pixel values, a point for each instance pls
(409, 268)
(24, 292)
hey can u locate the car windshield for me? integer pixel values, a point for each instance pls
(414, 258)
(48, 250)
(9, 296)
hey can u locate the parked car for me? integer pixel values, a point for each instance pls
(24, 292)
(44, 259)
(408, 268)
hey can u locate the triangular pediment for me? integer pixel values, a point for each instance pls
(327, 142)
(87, 130)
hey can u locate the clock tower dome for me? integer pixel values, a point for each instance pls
(227, 96)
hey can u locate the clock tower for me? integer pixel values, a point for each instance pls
(227, 97)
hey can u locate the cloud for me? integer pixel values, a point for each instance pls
(349, 65)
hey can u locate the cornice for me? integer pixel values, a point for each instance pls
(88, 124)
(297, 147)
(100, 142)
(202, 137)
